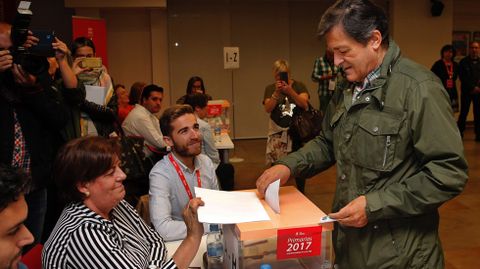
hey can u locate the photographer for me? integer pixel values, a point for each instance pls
(97, 119)
(30, 116)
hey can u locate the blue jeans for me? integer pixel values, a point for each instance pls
(37, 207)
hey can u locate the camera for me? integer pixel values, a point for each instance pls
(32, 61)
(91, 62)
(283, 76)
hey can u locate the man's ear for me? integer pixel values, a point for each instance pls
(376, 39)
(168, 140)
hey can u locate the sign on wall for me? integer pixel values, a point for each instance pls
(231, 57)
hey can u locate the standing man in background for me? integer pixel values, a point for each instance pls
(390, 132)
(325, 73)
(469, 72)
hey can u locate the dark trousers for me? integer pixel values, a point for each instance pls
(466, 99)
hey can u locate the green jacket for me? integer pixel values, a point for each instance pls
(400, 147)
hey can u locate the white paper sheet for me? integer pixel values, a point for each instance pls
(225, 207)
(271, 196)
(96, 94)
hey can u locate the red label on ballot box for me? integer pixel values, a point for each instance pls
(299, 242)
(214, 110)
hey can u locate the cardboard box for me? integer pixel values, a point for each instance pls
(292, 239)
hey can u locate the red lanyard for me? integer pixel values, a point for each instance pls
(182, 176)
(449, 67)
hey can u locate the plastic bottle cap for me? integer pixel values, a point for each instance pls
(214, 227)
(265, 266)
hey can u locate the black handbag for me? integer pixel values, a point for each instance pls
(306, 124)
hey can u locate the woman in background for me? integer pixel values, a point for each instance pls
(279, 100)
(195, 85)
(98, 229)
(124, 106)
(97, 118)
(447, 70)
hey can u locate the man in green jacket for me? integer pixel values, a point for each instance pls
(390, 131)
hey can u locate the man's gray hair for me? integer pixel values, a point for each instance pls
(359, 18)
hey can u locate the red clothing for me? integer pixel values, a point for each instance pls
(123, 112)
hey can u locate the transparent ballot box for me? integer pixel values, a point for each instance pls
(292, 239)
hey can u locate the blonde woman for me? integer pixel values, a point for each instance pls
(279, 100)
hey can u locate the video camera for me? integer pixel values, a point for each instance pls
(34, 59)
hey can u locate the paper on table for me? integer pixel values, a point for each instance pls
(271, 196)
(225, 207)
(96, 94)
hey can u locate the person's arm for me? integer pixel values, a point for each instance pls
(161, 207)
(40, 100)
(271, 101)
(98, 112)
(143, 126)
(312, 158)
(189, 246)
(209, 144)
(300, 99)
(61, 51)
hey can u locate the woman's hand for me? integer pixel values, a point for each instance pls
(77, 69)
(194, 227)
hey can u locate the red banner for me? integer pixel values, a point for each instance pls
(299, 242)
(94, 29)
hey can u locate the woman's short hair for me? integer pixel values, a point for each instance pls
(193, 80)
(82, 160)
(81, 42)
(447, 48)
(280, 65)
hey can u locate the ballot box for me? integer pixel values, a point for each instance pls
(292, 239)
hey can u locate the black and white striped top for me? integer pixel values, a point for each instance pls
(84, 239)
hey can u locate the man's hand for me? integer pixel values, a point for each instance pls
(475, 90)
(6, 60)
(194, 228)
(31, 40)
(22, 77)
(354, 214)
(60, 48)
(273, 173)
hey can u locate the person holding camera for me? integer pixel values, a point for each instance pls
(97, 118)
(31, 115)
(279, 100)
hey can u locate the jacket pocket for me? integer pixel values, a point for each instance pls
(375, 139)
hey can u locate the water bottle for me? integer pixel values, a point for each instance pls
(215, 248)
(218, 131)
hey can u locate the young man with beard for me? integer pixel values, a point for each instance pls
(172, 179)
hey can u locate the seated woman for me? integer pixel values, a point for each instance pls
(98, 229)
(124, 106)
(194, 85)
